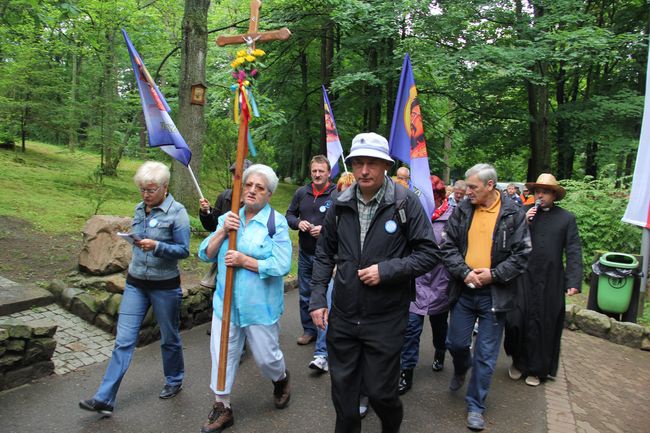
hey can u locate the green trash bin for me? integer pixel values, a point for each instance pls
(615, 285)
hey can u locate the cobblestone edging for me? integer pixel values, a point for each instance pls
(101, 308)
(79, 343)
(25, 351)
(600, 325)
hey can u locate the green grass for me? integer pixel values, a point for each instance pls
(57, 192)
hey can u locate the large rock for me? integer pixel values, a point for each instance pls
(628, 334)
(84, 306)
(593, 323)
(16, 328)
(43, 328)
(112, 305)
(68, 294)
(113, 283)
(103, 252)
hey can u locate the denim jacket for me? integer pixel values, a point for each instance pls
(257, 297)
(168, 224)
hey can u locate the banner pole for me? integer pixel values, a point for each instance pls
(343, 159)
(196, 184)
(645, 253)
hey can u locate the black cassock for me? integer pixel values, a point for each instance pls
(534, 327)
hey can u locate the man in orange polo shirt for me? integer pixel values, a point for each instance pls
(485, 247)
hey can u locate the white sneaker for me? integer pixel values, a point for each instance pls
(363, 406)
(319, 363)
(514, 373)
(532, 381)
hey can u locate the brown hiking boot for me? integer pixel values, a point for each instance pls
(282, 392)
(219, 419)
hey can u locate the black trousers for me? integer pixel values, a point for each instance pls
(367, 354)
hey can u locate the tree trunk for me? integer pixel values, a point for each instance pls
(191, 121)
(111, 155)
(540, 152)
(303, 123)
(374, 94)
(391, 84)
(591, 166)
(565, 151)
(72, 109)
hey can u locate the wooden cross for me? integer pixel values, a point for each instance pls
(253, 35)
(242, 147)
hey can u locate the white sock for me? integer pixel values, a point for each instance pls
(223, 398)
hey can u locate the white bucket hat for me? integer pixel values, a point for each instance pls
(371, 145)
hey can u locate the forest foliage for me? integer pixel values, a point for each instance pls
(528, 85)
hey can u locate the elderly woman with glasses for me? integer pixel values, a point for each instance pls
(262, 259)
(162, 231)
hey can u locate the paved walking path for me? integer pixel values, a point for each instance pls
(601, 388)
(78, 343)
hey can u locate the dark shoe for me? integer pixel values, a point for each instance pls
(282, 392)
(96, 406)
(456, 382)
(305, 339)
(438, 361)
(405, 381)
(475, 421)
(220, 418)
(170, 391)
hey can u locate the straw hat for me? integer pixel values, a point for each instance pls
(548, 181)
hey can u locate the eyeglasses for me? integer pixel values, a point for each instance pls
(149, 190)
(256, 186)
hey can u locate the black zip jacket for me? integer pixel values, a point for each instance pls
(304, 206)
(511, 247)
(409, 251)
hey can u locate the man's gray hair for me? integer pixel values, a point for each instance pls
(485, 173)
(460, 184)
(266, 172)
(152, 172)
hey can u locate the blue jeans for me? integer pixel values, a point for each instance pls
(135, 303)
(321, 344)
(486, 347)
(411, 347)
(305, 265)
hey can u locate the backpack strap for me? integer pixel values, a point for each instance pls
(270, 223)
(400, 204)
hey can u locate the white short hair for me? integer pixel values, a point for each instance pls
(485, 173)
(152, 172)
(266, 172)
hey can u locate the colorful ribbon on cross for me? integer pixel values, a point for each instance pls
(244, 105)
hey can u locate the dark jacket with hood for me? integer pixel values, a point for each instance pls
(402, 249)
(511, 247)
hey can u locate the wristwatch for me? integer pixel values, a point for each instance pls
(493, 274)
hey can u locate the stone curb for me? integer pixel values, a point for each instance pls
(602, 326)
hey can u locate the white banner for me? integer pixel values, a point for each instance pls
(638, 208)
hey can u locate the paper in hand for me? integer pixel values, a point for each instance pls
(129, 237)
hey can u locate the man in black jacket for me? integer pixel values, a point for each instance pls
(209, 215)
(306, 214)
(379, 238)
(485, 248)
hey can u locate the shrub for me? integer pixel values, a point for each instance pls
(599, 207)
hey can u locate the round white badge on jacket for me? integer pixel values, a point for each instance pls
(390, 226)
(322, 209)
(153, 223)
